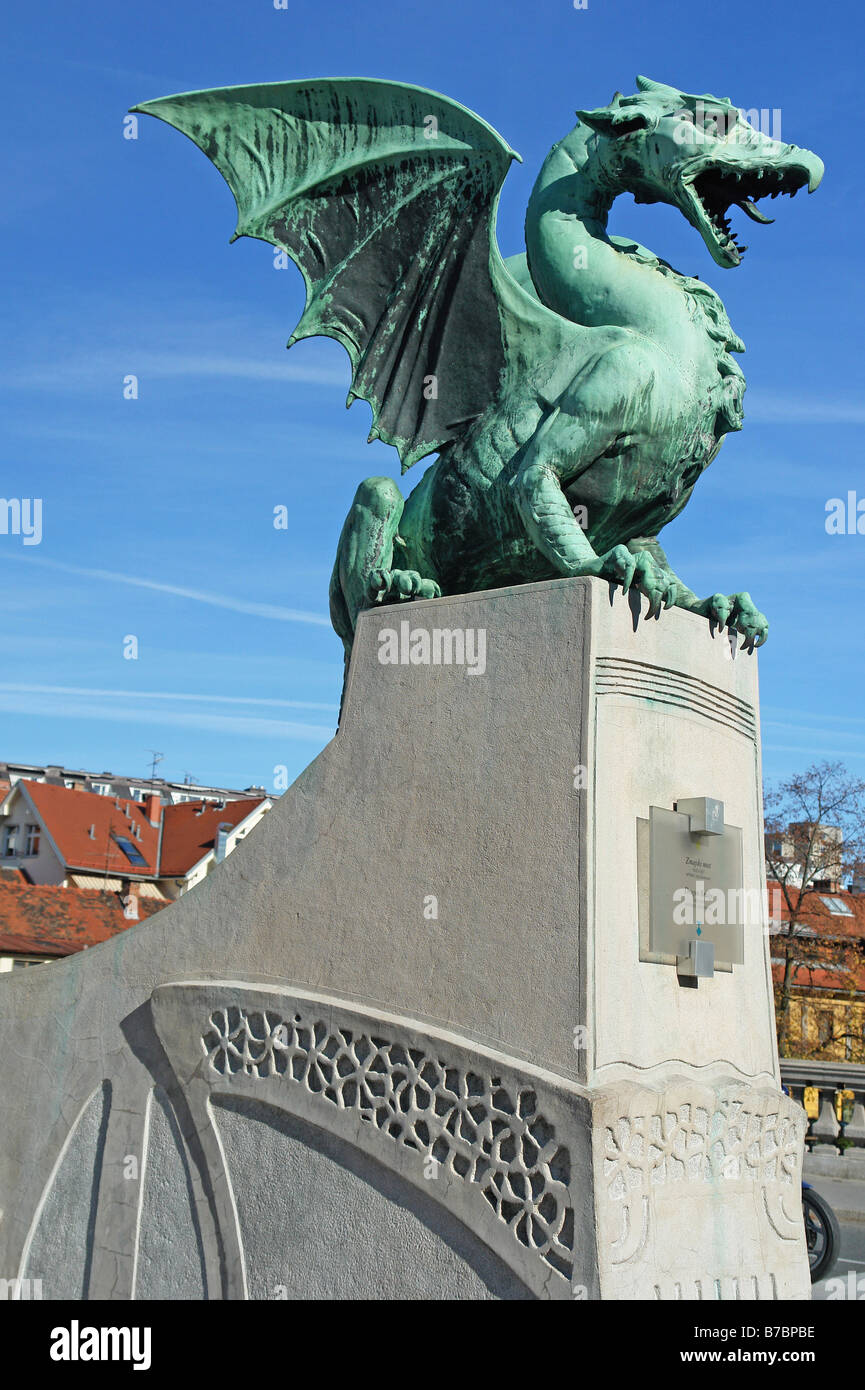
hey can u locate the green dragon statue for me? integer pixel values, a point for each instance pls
(573, 394)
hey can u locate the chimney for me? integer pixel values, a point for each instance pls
(222, 835)
(153, 808)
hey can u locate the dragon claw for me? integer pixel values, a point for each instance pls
(639, 570)
(651, 581)
(619, 566)
(378, 584)
(400, 585)
(718, 609)
(748, 619)
(738, 613)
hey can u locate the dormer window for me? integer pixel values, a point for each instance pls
(837, 907)
(132, 854)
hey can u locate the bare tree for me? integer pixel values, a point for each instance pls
(815, 840)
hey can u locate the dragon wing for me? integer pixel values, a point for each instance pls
(385, 197)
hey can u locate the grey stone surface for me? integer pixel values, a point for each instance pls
(503, 1148)
(62, 1240)
(349, 1227)
(170, 1254)
(529, 978)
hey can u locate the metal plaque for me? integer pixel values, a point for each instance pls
(696, 888)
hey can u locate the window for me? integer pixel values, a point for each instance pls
(132, 854)
(837, 907)
(825, 1028)
(10, 836)
(31, 845)
(102, 788)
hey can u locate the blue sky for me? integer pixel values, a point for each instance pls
(158, 512)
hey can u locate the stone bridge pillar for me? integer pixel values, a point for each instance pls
(411, 1039)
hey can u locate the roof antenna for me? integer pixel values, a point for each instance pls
(156, 758)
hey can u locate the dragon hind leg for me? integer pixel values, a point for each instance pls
(363, 573)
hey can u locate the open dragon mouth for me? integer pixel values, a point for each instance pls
(710, 194)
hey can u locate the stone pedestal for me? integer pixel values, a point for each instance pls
(409, 1040)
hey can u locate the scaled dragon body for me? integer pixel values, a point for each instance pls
(573, 394)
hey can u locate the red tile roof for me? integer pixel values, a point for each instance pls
(16, 875)
(814, 912)
(190, 832)
(830, 935)
(68, 814)
(53, 921)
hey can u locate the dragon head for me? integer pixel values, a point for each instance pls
(699, 154)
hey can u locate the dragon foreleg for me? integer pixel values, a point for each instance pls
(554, 530)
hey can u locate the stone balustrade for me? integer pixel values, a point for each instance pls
(822, 1139)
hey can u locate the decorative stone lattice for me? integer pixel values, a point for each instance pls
(694, 1143)
(470, 1124)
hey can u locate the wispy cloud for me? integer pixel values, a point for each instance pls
(808, 748)
(236, 605)
(69, 377)
(821, 718)
(16, 688)
(63, 706)
(766, 408)
(819, 733)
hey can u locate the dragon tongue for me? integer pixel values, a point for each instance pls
(753, 211)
